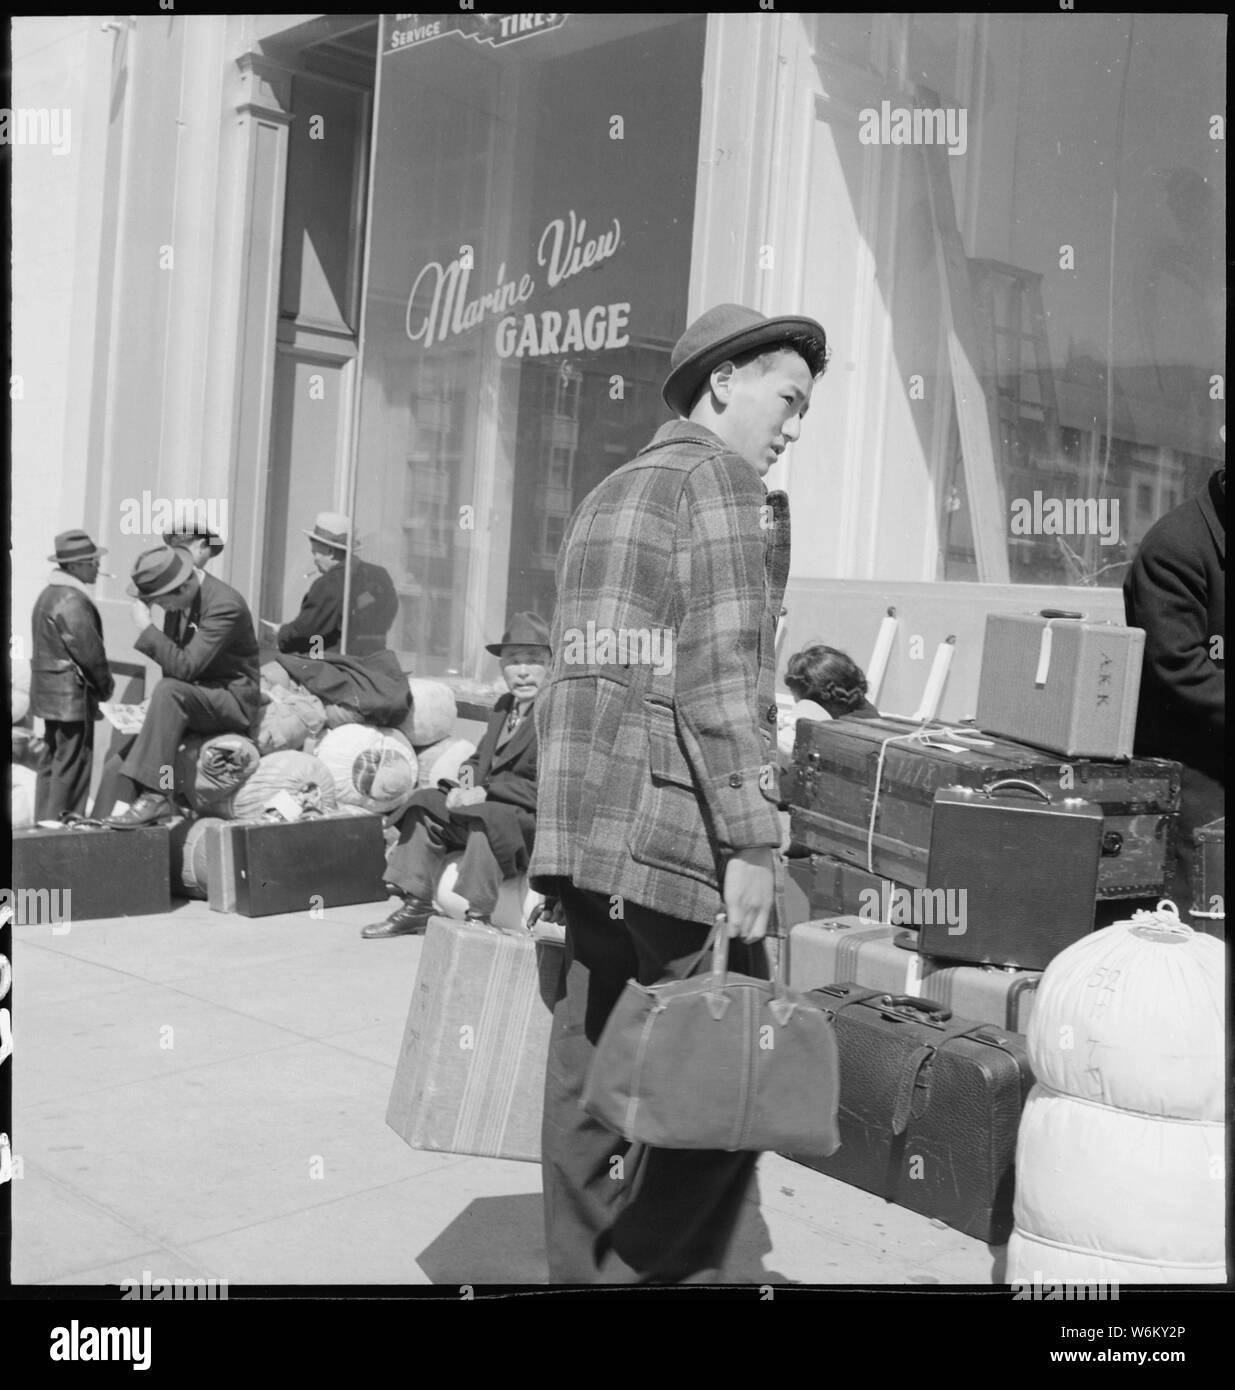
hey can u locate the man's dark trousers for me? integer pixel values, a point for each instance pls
(177, 708)
(63, 782)
(427, 833)
(615, 1212)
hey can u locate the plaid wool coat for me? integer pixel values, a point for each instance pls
(651, 778)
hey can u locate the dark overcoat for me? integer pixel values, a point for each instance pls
(374, 605)
(508, 775)
(69, 673)
(651, 779)
(1176, 590)
(211, 645)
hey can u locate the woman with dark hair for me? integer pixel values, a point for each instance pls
(826, 684)
(831, 679)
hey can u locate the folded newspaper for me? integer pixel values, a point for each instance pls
(127, 718)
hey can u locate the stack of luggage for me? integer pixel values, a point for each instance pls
(305, 816)
(299, 817)
(946, 868)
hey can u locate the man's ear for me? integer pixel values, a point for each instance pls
(721, 381)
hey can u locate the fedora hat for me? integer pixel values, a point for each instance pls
(724, 332)
(525, 630)
(331, 528)
(159, 571)
(72, 546)
(192, 529)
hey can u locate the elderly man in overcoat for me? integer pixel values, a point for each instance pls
(658, 795)
(69, 676)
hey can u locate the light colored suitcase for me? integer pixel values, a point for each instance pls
(471, 1071)
(850, 950)
(1056, 681)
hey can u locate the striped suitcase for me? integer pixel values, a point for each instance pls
(877, 956)
(986, 993)
(471, 1071)
(825, 951)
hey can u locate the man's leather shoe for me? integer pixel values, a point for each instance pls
(148, 809)
(409, 918)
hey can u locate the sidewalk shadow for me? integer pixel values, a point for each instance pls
(501, 1240)
(493, 1240)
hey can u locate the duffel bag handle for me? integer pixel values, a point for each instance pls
(1017, 782)
(718, 942)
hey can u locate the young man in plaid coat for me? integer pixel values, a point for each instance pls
(657, 804)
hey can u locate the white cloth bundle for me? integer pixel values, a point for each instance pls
(301, 775)
(289, 718)
(1119, 1165)
(433, 713)
(442, 760)
(20, 689)
(374, 769)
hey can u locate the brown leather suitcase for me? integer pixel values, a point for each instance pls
(831, 789)
(929, 1109)
(1012, 875)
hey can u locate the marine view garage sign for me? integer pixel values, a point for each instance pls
(439, 306)
(409, 30)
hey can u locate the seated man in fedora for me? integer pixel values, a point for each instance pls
(69, 675)
(208, 653)
(318, 628)
(491, 815)
(199, 541)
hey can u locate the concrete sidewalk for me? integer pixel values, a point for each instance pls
(200, 1095)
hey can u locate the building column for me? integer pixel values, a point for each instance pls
(244, 318)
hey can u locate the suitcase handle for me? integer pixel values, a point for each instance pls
(937, 1012)
(1017, 782)
(1060, 613)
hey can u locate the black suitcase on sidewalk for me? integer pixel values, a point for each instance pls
(929, 1109)
(257, 868)
(831, 790)
(63, 876)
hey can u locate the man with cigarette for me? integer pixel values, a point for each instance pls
(657, 804)
(317, 630)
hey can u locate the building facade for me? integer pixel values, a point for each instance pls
(428, 270)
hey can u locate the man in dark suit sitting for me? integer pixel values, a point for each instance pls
(491, 816)
(208, 653)
(317, 630)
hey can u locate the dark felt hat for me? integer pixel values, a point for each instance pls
(159, 571)
(525, 630)
(72, 546)
(194, 528)
(723, 332)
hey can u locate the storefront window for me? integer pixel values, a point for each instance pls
(527, 276)
(1090, 201)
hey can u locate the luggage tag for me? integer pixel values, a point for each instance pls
(283, 806)
(1044, 647)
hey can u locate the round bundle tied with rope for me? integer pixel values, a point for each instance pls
(1120, 1173)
